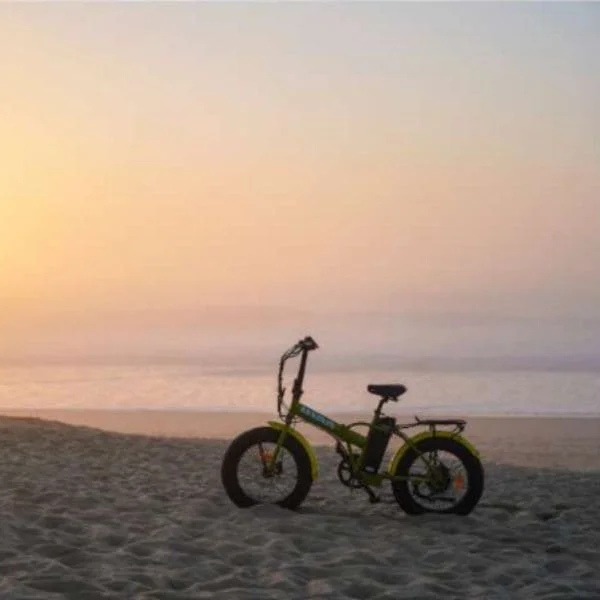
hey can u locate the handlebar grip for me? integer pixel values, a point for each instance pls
(309, 343)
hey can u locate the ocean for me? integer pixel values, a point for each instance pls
(190, 387)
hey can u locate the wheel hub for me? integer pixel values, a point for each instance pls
(440, 480)
(270, 471)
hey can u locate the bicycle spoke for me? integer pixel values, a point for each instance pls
(261, 454)
(271, 481)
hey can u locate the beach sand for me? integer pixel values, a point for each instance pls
(89, 513)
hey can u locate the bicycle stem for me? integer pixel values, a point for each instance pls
(297, 390)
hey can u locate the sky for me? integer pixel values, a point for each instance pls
(328, 157)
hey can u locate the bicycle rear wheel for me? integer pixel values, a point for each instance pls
(453, 484)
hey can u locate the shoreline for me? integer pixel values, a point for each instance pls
(272, 414)
(550, 442)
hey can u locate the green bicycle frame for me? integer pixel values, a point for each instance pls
(344, 434)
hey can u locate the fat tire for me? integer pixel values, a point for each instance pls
(471, 463)
(231, 459)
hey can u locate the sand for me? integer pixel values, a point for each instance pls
(88, 513)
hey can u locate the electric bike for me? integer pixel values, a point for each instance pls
(436, 470)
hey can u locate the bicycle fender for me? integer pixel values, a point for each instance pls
(314, 470)
(425, 435)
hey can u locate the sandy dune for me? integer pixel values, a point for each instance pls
(92, 514)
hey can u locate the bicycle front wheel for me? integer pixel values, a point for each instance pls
(250, 476)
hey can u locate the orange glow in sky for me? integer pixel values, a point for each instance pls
(385, 156)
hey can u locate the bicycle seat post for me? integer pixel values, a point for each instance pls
(380, 406)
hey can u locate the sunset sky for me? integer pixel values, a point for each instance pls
(322, 156)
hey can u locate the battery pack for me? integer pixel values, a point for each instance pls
(377, 441)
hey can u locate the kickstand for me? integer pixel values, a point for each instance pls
(373, 498)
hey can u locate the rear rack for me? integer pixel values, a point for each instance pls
(458, 424)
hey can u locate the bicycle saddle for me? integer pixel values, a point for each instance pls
(390, 391)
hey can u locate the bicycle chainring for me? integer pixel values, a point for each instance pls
(346, 475)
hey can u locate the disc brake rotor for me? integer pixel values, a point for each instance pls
(443, 483)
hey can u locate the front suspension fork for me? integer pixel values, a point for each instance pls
(270, 462)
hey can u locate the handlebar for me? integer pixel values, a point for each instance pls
(307, 344)
(303, 347)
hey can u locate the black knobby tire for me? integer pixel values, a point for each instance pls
(237, 449)
(470, 462)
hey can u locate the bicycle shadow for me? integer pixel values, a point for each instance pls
(510, 492)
